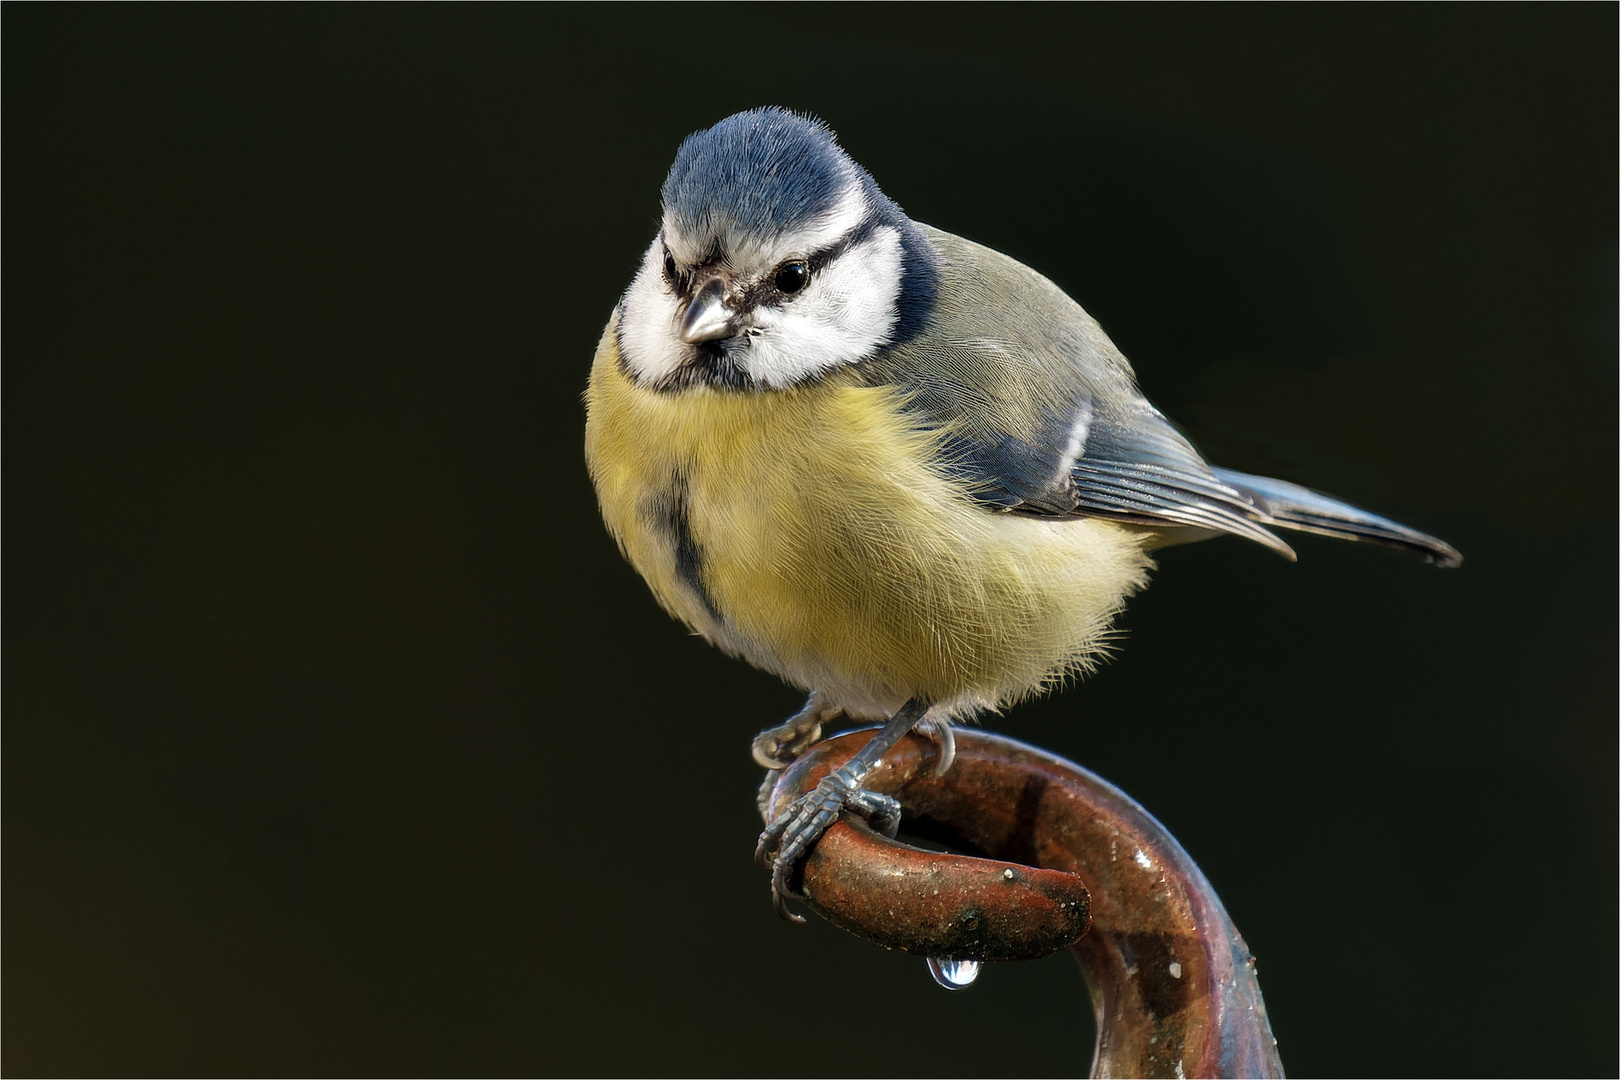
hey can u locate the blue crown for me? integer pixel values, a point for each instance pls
(762, 172)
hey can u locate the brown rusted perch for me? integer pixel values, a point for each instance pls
(1171, 981)
(950, 907)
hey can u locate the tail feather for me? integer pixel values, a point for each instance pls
(1289, 506)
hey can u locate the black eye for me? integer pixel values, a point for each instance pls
(669, 265)
(791, 277)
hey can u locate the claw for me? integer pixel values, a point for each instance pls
(940, 729)
(780, 893)
(882, 812)
(767, 754)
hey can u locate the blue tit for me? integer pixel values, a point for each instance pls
(897, 469)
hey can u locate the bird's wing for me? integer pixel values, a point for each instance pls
(1040, 413)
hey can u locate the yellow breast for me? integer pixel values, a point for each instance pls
(812, 532)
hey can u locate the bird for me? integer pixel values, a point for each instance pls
(900, 470)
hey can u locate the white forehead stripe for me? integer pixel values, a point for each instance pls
(746, 252)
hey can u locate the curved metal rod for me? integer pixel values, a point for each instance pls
(1171, 981)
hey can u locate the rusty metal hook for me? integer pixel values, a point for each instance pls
(1171, 981)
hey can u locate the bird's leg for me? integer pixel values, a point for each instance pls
(802, 823)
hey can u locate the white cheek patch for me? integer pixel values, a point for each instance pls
(649, 322)
(847, 310)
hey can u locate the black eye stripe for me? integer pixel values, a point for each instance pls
(816, 262)
(827, 254)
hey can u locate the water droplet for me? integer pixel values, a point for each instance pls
(953, 974)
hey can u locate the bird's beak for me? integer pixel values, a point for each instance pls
(709, 316)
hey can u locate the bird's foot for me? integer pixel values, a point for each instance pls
(790, 834)
(778, 747)
(798, 827)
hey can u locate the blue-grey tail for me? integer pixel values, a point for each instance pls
(1289, 506)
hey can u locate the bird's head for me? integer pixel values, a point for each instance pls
(778, 260)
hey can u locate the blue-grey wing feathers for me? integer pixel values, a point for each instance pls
(1293, 507)
(1040, 416)
(1138, 468)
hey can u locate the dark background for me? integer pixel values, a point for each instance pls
(339, 739)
